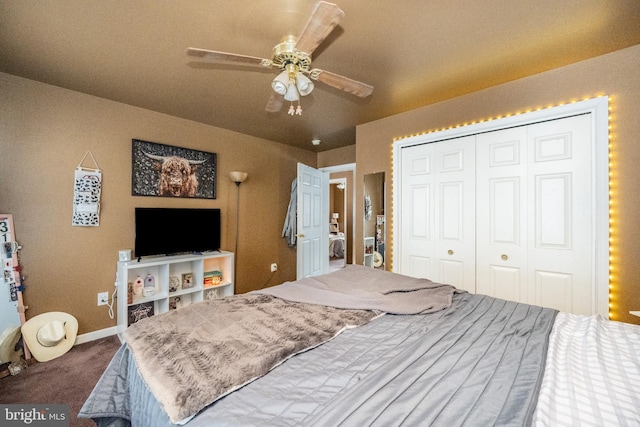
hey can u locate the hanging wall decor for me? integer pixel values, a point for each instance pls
(367, 207)
(168, 171)
(86, 194)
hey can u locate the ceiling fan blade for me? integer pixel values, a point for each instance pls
(216, 56)
(323, 20)
(274, 104)
(343, 83)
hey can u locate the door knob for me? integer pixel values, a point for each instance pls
(504, 257)
(299, 235)
(450, 252)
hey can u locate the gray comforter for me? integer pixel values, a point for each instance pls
(191, 357)
(479, 362)
(360, 287)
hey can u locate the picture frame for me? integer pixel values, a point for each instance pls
(211, 294)
(174, 284)
(187, 280)
(162, 170)
(174, 303)
(140, 311)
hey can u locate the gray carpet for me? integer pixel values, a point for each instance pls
(66, 380)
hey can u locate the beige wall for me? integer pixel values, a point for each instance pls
(337, 156)
(44, 133)
(615, 74)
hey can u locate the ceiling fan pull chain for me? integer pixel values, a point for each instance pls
(291, 110)
(299, 110)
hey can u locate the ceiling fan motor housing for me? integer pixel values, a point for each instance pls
(285, 53)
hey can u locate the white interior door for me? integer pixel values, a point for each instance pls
(312, 222)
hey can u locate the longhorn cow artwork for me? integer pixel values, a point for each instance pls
(168, 171)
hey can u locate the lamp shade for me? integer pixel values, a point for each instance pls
(292, 93)
(305, 85)
(280, 83)
(237, 176)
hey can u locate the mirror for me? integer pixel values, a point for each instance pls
(374, 220)
(338, 223)
(11, 351)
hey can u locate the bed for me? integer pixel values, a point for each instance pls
(336, 245)
(361, 346)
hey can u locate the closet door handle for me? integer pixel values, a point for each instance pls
(450, 252)
(299, 235)
(504, 257)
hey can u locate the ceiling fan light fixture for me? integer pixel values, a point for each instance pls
(292, 57)
(280, 84)
(304, 84)
(292, 93)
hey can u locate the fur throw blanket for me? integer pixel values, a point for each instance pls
(193, 356)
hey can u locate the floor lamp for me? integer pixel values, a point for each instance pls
(238, 178)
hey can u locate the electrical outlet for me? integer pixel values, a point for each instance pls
(274, 267)
(103, 298)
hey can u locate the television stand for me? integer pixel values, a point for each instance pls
(180, 280)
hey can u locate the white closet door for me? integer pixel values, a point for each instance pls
(417, 214)
(561, 229)
(501, 208)
(438, 227)
(535, 231)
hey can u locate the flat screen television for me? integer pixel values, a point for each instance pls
(172, 231)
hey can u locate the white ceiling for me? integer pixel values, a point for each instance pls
(414, 53)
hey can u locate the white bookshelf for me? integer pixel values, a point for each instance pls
(369, 248)
(177, 282)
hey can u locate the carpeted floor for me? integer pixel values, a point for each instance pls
(68, 379)
(336, 263)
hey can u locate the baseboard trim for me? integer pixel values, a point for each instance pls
(96, 335)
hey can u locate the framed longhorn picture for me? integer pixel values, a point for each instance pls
(168, 171)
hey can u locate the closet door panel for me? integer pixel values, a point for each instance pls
(505, 283)
(455, 212)
(553, 211)
(554, 290)
(452, 272)
(438, 214)
(501, 251)
(419, 266)
(417, 215)
(420, 211)
(561, 231)
(504, 214)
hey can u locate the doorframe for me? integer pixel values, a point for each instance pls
(599, 110)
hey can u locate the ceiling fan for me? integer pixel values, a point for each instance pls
(293, 58)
